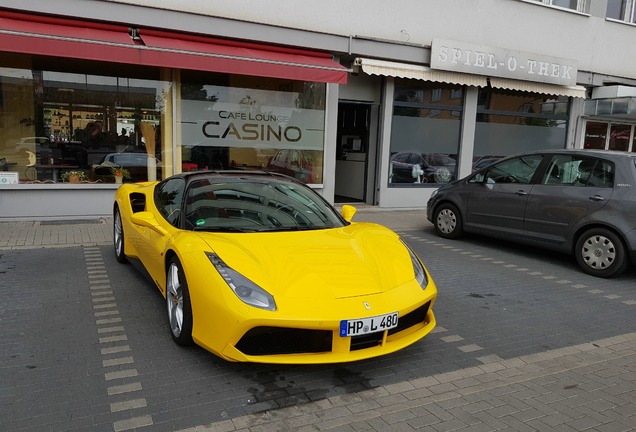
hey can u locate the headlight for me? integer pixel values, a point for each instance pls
(434, 193)
(246, 290)
(418, 268)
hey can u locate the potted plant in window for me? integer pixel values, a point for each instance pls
(73, 176)
(120, 173)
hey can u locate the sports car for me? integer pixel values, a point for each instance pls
(258, 267)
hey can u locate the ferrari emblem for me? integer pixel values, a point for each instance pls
(367, 306)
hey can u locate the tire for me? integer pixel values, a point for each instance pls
(448, 221)
(178, 304)
(118, 237)
(601, 253)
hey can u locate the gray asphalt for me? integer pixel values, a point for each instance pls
(589, 385)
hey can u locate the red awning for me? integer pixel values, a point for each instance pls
(112, 43)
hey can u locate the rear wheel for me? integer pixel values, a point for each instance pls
(118, 237)
(178, 304)
(600, 252)
(448, 221)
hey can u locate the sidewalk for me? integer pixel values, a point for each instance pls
(587, 387)
(90, 232)
(33, 234)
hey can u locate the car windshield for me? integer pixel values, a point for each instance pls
(256, 205)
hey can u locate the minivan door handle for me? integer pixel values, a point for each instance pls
(597, 198)
(521, 192)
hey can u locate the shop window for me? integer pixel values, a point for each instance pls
(619, 137)
(54, 120)
(510, 122)
(595, 135)
(236, 122)
(609, 136)
(424, 133)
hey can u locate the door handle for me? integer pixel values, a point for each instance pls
(597, 198)
(521, 193)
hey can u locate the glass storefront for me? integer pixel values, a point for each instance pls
(605, 135)
(59, 118)
(425, 133)
(240, 122)
(510, 122)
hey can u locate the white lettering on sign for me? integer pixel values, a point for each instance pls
(499, 62)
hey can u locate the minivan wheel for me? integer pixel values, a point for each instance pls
(600, 252)
(448, 221)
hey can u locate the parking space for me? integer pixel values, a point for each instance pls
(84, 346)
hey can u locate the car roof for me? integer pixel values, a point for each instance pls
(610, 154)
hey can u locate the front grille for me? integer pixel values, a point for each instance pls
(280, 340)
(374, 339)
(415, 317)
(366, 341)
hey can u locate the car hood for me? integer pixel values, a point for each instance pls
(359, 259)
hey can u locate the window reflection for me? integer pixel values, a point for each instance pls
(424, 133)
(510, 121)
(58, 121)
(248, 123)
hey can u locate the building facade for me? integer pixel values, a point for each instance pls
(366, 102)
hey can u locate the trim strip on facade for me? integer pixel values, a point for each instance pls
(404, 70)
(68, 38)
(537, 87)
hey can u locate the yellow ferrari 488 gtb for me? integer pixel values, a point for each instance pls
(258, 267)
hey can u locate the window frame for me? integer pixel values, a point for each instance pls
(581, 5)
(631, 144)
(628, 14)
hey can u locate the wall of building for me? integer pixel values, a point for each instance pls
(366, 27)
(379, 29)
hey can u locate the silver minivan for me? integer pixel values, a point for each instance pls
(582, 202)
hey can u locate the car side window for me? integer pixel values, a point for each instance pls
(579, 171)
(516, 170)
(600, 173)
(168, 199)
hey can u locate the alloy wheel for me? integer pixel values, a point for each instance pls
(118, 234)
(174, 299)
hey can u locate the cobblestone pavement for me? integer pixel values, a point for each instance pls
(585, 383)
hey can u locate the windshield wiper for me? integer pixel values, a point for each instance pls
(293, 228)
(223, 229)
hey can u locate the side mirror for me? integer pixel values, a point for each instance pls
(348, 211)
(147, 219)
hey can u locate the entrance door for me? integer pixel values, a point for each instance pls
(355, 152)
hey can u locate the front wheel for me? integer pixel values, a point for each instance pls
(178, 304)
(448, 221)
(118, 237)
(600, 252)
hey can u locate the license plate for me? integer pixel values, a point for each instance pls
(374, 324)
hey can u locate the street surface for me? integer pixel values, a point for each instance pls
(524, 341)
